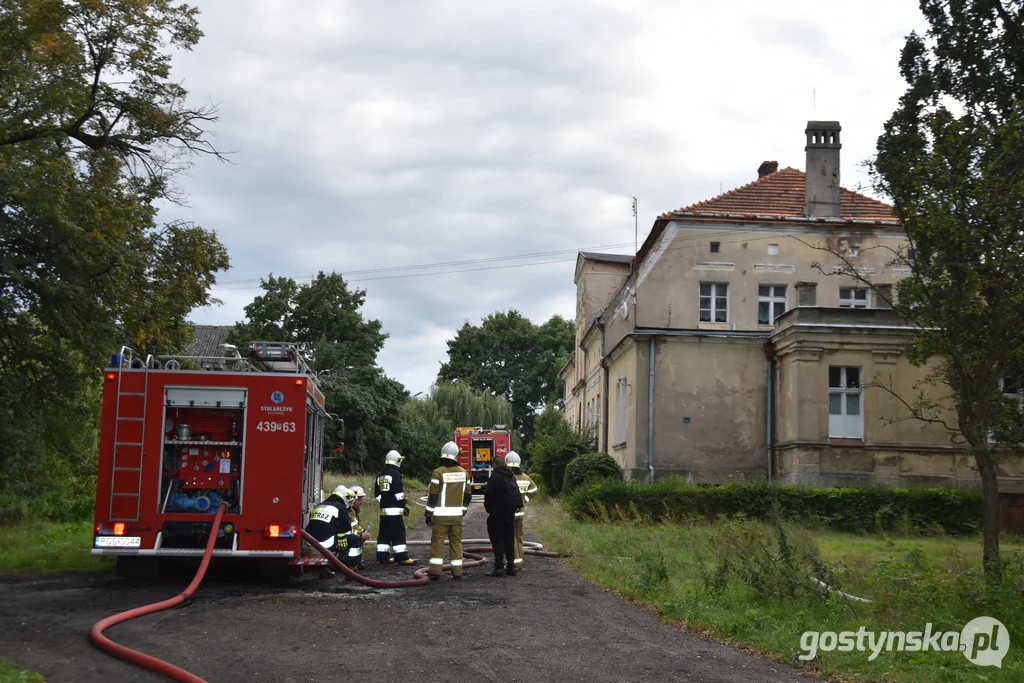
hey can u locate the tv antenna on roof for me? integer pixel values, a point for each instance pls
(636, 223)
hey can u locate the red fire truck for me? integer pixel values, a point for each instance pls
(180, 435)
(477, 447)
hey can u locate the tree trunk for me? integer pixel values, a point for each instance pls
(990, 524)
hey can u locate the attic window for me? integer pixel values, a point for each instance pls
(853, 252)
(773, 250)
(911, 254)
(715, 246)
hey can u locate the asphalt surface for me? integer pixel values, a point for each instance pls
(545, 624)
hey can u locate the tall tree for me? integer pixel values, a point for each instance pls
(510, 356)
(93, 131)
(324, 319)
(951, 157)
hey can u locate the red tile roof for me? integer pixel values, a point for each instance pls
(778, 196)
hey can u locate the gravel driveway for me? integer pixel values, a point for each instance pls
(546, 624)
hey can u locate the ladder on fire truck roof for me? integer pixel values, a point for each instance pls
(278, 357)
(129, 437)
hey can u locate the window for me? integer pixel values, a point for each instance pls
(715, 246)
(714, 302)
(853, 297)
(845, 418)
(621, 400)
(853, 252)
(771, 303)
(773, 250)
(911, 254)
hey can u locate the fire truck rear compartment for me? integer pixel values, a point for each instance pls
(202, 453)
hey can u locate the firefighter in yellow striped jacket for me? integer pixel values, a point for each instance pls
(527, 488)
(447, 501)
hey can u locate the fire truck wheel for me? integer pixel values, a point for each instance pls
(138, 567)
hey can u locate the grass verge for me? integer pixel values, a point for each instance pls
(745, 582)
(50, 546)
(8, 674)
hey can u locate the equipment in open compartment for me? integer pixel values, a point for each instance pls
(202, 450)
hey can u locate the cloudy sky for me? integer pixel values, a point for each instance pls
(375, 138)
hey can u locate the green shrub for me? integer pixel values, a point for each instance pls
(590, 466)
(844, 509)
(554, 446)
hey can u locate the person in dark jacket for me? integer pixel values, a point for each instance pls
(501, 500)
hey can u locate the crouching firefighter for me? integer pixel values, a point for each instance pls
(329, 523)
(389, 492)
(447, 501)
(527, 488)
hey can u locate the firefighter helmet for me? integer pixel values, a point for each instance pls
(393, 458)
(345, 493)
(513, 459)
(358, 492)
(450, 450)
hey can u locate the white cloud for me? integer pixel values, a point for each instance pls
(376, 135)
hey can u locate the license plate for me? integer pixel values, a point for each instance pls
(118, 541)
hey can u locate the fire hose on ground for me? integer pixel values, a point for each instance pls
(143, 660)
(175, 673)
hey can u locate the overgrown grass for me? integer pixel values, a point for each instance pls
(50, 546)
(8, 674)
(745, 582)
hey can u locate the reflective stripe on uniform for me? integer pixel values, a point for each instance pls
(456, 563)
(520, 514)
(400, 548)
(400, 495)
(435, 481)
(391, 512)
(448, 512)
(355, 552)
(437, 560)
(517, 560)
(377, 497)
(430, 509)
(329, 543)
(383, 547)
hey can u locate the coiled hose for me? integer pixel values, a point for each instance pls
(143, 660)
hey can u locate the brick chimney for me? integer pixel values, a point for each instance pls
(822, 190)
(767, 168)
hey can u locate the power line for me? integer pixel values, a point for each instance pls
(701, 237)
(441, 264)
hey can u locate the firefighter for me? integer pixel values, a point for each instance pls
(329, 523)
(388, 491)
(527, 488)
(447, 501)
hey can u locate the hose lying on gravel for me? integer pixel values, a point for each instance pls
(143, 660)
(420, 574)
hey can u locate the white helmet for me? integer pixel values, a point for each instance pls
(512, 459)
(393, 458)
(345, 494)
(450, 450)
(358, 492)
